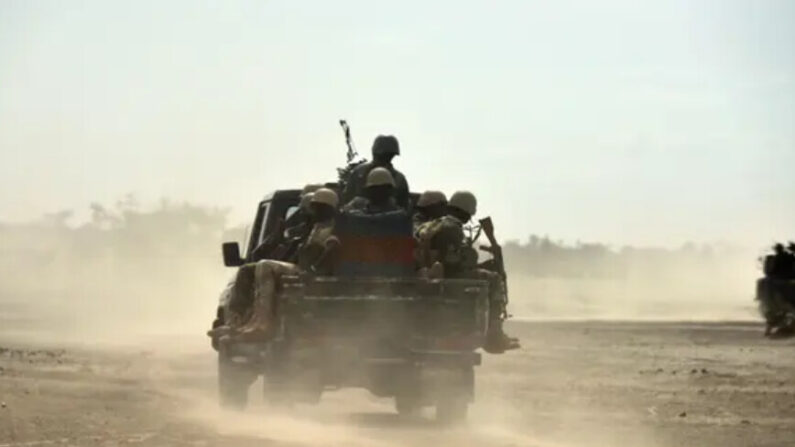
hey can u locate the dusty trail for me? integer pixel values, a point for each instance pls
(574, 384)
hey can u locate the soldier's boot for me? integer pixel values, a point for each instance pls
(497, 341)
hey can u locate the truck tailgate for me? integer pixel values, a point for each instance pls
(383, 308)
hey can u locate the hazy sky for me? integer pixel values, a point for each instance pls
(619, 121)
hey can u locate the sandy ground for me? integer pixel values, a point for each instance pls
(573, 384)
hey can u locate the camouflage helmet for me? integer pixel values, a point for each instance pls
(306, 199)
(311, 187)
(385, 145)
(429, 198)
(326, 197)
(464, 201)
(379, 177)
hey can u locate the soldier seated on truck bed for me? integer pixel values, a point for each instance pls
(442, 243)
(431, 205)
(253, 290)
(283, 243)
(378, 195)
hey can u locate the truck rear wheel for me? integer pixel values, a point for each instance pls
(233, 383)
(452, 403)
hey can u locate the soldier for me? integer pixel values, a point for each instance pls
(780, 264)
(430, 206)
(317, 253)
(791, 255)
(378, 195)
(385, 148)
(281, 244)
(444, 243)
(251, 294)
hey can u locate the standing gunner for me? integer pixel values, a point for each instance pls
(385, 148)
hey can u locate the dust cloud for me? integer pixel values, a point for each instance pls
(371, 423)
(124, 275)
(551, 280)
(132, 272)
(144, 282)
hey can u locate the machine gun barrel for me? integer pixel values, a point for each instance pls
(352, 153)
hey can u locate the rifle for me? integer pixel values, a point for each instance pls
(350, 156)
(487, 226)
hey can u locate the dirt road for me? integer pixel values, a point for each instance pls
(573, 384)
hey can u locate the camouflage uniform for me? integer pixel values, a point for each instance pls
(443, 242)
(251, 309)
(378, 195)
(430, 205)
(355, 186)
(385, 147)
(251, 302)
(313, 250)
(362, 205)
(417, 221)
(281, 244)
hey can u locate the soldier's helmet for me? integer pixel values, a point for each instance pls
(429, 198)
(326, 197)
(778, 248)
(306, 199)
(464, 201)
(311, 187)
(379, 177)
(385, 145)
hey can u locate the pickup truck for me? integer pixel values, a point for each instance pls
(374, 323)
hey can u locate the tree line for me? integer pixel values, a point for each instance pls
(127, 238)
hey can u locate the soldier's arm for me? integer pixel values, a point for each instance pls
(347, 193)
(403, 193)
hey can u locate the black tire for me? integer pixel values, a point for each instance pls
(233, 384)
(451, 410)
(452, 404)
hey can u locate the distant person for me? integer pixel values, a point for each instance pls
(378, 196)
(385, 148)
(781, 264)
